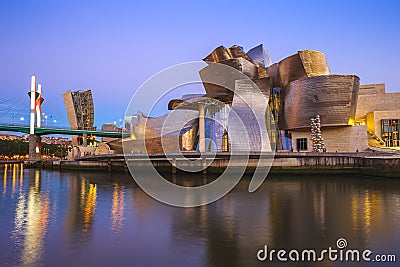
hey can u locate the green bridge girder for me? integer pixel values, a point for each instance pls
(45, 131)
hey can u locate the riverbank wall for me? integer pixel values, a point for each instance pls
(371, 164)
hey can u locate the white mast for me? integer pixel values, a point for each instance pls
(33, 104)
(39, 107)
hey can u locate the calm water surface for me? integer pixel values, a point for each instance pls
(103, 219)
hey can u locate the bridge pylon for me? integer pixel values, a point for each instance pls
(36, 102)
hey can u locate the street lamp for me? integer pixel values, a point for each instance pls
(55, 121)
(46, 119)
(22, 119)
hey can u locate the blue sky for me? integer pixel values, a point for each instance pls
(112, 47)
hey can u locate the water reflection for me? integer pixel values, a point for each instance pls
(105, 219)
(31, 218)
(82, 207)
(14, 178)
(117, 211)
(5, 179)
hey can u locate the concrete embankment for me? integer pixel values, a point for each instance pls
(11, 161)
(373, 164)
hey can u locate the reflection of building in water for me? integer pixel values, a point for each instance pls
(366, 211)
(216, 226)
(88, 204)
(31, 220)
(118, 206)
(82, 206)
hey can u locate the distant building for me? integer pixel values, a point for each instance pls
(56, 140)
(109, 127)
(80, 111)
(4, 136)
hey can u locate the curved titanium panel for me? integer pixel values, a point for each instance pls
(259, 55)
(290, 69)
(242, 65)
(221, 53)
(314, 63)
(273, 73)
(333, 97)
(306, 63)
(237, 52)
(217, 55)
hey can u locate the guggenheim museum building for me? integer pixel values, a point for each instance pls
(354, 116)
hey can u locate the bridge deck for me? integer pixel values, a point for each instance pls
(46, 131)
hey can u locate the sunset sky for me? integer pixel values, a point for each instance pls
(112, 47)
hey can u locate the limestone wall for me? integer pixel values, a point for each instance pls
(372, 97)
(340, 139)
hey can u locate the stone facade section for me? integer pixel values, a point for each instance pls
(372, 97)
(337, 139)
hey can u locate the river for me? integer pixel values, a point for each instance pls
(52, 218)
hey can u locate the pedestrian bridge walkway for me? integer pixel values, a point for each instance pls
(64, 131)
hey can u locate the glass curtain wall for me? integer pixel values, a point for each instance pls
(390, 132)
(216, 126)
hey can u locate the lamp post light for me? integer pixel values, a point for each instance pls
(46, 119)
(54, 125)
(22, 119)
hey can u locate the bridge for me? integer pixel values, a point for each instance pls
(35, 128)
(65, 131)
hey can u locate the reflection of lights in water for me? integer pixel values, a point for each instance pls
(37, 219)
(203, 215)
(37, 180)
(83, 193)
(229, 215)
(19, 216)
(354, 210)
(367, 211)
(371, 204)
(31, 220)
(5, 180)
(88, 204)
(318, 198)
(21, 175)
(14, 178)
(117, 211)
(189, 197)
(397, 200)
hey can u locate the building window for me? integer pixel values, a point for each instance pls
(390, 132)
(301, 144)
